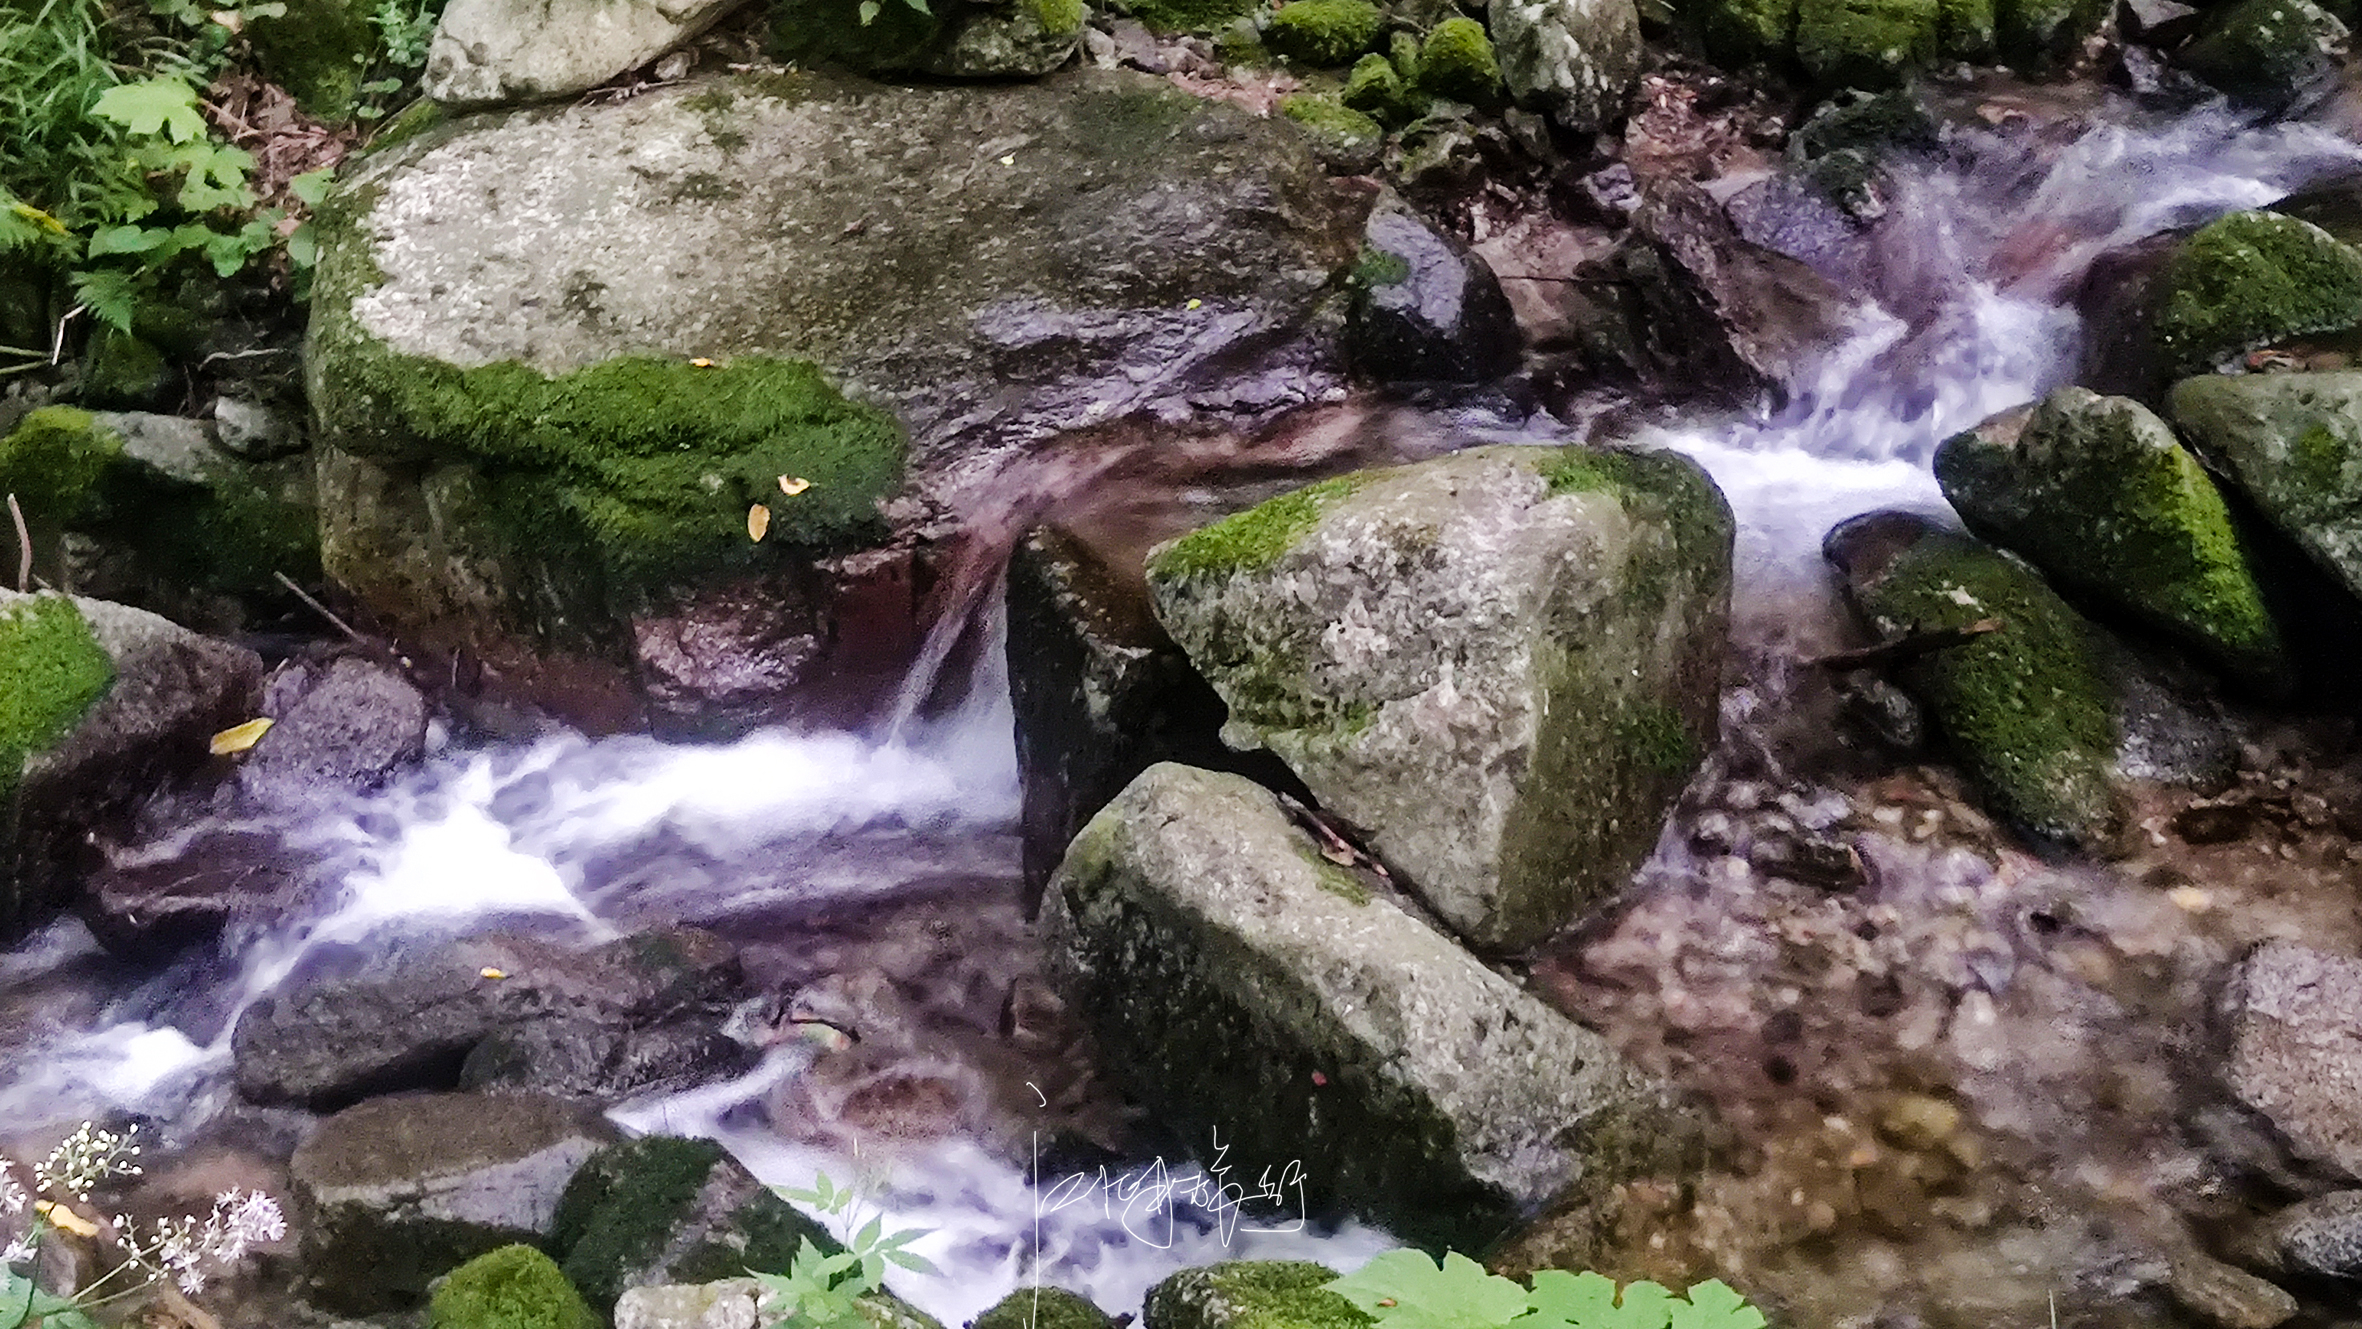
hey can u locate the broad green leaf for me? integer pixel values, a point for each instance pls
(1714, 1305)
(869, 12)
(1588, 1301)
(1404, 1290)
(166, 106)
(128, 240)
(868, 1236)
(16, 1298)
(303, 247)
(312, 186)
(917, 1264)
(921, 6)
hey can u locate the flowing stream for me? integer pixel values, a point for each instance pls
(581, 840)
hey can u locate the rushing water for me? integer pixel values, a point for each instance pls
(1962, 316)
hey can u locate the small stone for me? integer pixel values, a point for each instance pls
(2322, 1235)
(2232, 1298)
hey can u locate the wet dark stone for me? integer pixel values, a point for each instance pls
(666, 1210)
(2293, 1016)
(644, 1012)
(341, 725)
(2322, 1235)
(180, 893)
(1427, 310)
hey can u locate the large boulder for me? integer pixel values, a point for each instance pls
(488, 51)
(395, 1192)
(101, 706)
(557, 420)
(1575, 59)
(2293, 1016)
(2293, 444)
(1252, 990)
(2098, 493)
(1503, 664)
(737, 1303)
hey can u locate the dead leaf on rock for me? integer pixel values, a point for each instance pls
(792, 485)
(238, 738)
(758, 522)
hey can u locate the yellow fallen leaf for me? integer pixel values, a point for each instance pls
(238, 738)
(758, 522)
(1194, 304)
(792, 485)
(64, 1219)
(489, 972)
(702, 362)
(1010, 160)
(2190, 899)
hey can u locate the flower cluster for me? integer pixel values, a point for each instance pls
(14, 1201)
(89, 1156)
(188, 1250)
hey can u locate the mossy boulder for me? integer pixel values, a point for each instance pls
(1043, 1308)
(515, 1287)
(53, 462)
(1373, 88)
(1457, 62)
(1529, 678)
(317, 50)
(1575, 60)
(666, 1210)
(1344, 138)
(1845, 142)
(101, 706)
(2029, 708)
(2292, 443)
(1247, 987)
(1323, 33)
(2251, 279)
(2268, 53)
(1426, 308)
(1252, 1294)
(1866, 43)
(125, 371)
(551, 425)
(2099, 494)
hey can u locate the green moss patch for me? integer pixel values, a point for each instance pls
(2028, 709)
(643, 469)
(1253, 1294)
(1458, 63)
(515, 1287)
(1255, 539)
(2251, 279)
(53, 460)
(1189, 15)
(1866, 43)
(1376, 90)
(1324, 33)
(1042, 1308)
(52, 671)
(1743, 32)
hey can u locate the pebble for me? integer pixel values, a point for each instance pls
(2322, 1235)
(2233, 1298)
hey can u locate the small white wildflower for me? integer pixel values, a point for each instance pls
(20, 1249)
(254, 1218)
(87, 1157)
(12, 1196)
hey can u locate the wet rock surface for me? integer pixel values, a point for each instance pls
(392, 1193)
(1500, 664)
(1426, 309)
(340, 727)
(662, 1210)
(2296, 1049)
(488, 51)
(1223, 963)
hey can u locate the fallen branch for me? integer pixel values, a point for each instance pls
(24, 546)
(1908, 647)
(321, 609)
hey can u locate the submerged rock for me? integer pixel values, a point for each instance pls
(487, 51)
(1244, 1294)
(1502, 664)
(553, 424)
(2251, 279)
(2028, 708)
(101, 707)
(1251, 989)
(2293, 444)
(2098, 493)
(2294, 1019)
(1574, 59)
(396, 1192)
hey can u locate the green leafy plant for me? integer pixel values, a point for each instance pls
(1406, 1290)
(824, 1291)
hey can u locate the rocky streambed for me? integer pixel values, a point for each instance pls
(1194, 640)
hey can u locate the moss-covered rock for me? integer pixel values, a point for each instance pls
(1845, 141)
(1574, 60)
(1247, 987)
(2043, 34)
(1745, 32)
(1043, 1308)
(1866, 43)
(2293, 444)
(1323, 33)
(53, 461)
(1190, 15)
(125, 371)
(515, 1287)
(52, 671)
(1966, 30)
(1343, 137)
(2251, 279)
(1252, 1294)
(2098, 493)
(1579, 689)
(1457, 62)
(2028, 709)
(667, 1210)
(1376, 90)
(2266, 52)
(318, 50)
